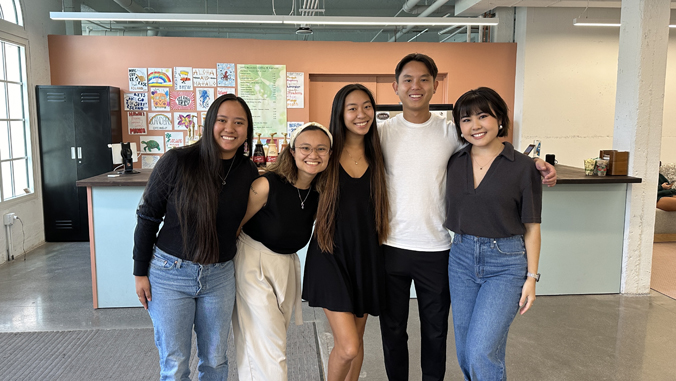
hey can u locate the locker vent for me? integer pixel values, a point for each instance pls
(90, 97)
(63, 224)
(56, 97)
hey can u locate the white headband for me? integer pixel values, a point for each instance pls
(300, 129)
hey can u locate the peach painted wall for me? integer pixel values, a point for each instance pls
(103, 60)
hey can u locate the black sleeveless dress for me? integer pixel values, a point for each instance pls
(352, 279)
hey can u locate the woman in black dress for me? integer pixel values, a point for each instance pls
(344, 265)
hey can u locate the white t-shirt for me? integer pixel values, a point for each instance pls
(416, 157)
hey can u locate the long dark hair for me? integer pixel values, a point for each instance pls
(198, 185)
(328, 200)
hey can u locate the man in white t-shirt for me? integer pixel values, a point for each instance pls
(417, 145)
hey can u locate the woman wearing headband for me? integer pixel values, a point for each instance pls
(278, 222)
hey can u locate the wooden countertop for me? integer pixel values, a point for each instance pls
(131, 180)
(572, 175)
(566, 175)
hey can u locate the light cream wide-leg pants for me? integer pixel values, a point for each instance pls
(268, 289)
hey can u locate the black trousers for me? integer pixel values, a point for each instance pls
(429, 272)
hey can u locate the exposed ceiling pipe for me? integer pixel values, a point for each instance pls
(132, 7)
(407, 7)
(427, 12)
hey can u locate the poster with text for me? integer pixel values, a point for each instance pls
(183, 78)
(182, 100)
(295, 90)
(159, 99)
(159, 76)
(291, 127)
(136, 122)
(152, 144)
(159, 121)
(224, 90)
(263, 87)
(226, 74)
(149, 161)
(185, 120)
(173, 139)
(136, 101)
(138, 79)
(204, 77)
(204, 98)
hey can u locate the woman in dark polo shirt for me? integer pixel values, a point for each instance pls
(493, 205)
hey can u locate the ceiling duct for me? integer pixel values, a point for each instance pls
(132, 7)
(437, 4)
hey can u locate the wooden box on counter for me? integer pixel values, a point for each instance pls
(618, 164)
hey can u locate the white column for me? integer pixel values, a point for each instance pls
(639, 108)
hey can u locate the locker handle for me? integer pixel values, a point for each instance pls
(79, 152)
(72, 153)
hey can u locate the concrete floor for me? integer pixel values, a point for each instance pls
(593, 337)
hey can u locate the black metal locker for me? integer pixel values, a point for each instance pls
(76, 124)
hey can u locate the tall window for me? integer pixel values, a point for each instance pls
(15, 163)
(10, 11)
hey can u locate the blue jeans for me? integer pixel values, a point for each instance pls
(486, 276)
(184, 294)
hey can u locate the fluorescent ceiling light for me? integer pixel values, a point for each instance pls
(602, 22)
(268, 19)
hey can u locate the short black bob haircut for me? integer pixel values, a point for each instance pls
(419, 57)
(478, 101)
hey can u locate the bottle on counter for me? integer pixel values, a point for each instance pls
(272, 150)
(259, 153)
(284, 143)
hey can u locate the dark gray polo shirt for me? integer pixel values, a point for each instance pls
(509, 195)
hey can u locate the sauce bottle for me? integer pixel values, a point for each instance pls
(284, 143)
(272, 150)
(259, 153)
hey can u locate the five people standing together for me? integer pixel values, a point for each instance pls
(383, 198)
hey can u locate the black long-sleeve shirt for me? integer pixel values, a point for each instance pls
(158, 206)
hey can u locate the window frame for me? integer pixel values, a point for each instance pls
(16, 34)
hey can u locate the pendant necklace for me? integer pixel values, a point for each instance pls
(356, 162)
(226, 175)
(481, 167)
(302, 201)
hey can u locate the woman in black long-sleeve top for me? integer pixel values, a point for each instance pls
(185, 274)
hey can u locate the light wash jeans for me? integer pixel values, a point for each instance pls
(184, 294)
(486, 276)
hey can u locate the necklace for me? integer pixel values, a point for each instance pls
(481, 167)
(356, 162)
(226, 175)
(302, 200)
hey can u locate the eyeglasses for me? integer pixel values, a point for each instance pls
(307, 150)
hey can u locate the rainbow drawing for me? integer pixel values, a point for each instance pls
(159, 77)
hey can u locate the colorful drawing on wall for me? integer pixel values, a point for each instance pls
(160, 121)
(295, 90)
(263, 87)
(136, 122)
(226, 74)
(204, 77)
(173, 139)
(182, 100)
(152, 144)
(149, 161)
(159, 76)
(183, 78)
(204, 98)
(159, 99)
(291, 126)
(184, 120)
(225, 90)
(138, 79)
(136, 101)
